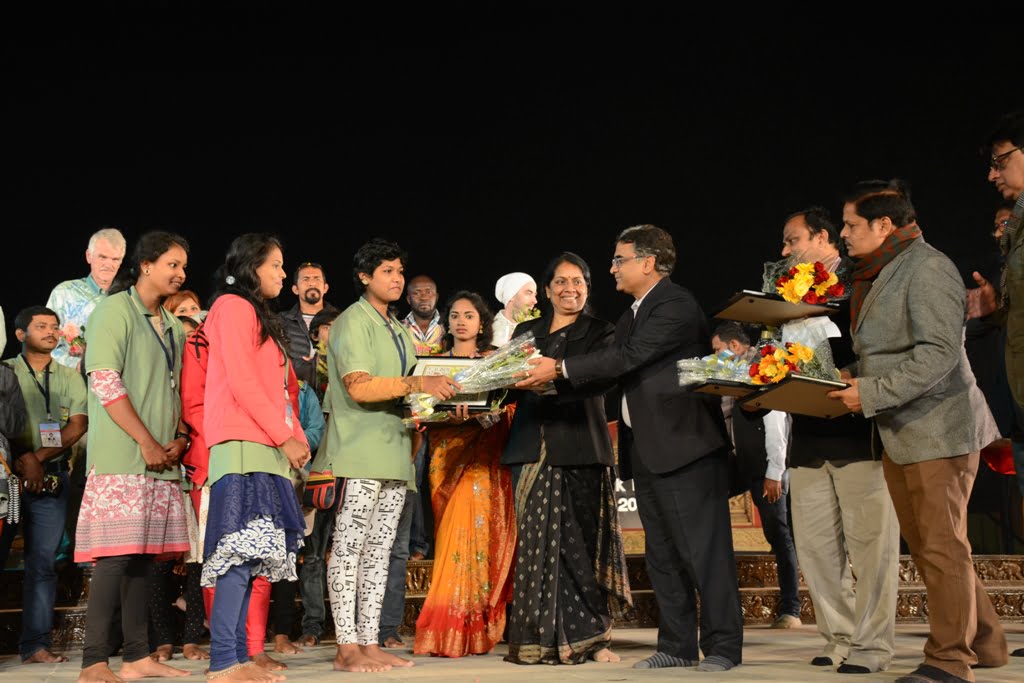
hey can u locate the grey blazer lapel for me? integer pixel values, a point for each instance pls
(887, 274)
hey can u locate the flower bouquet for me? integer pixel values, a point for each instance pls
(500, 369)
(524, 314)
(810, 283)
(773, 363)
(717, 366)
(75, 337)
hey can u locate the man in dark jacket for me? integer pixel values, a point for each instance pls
(310, 286)
(673, 444)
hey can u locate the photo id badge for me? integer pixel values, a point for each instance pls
(49, 434)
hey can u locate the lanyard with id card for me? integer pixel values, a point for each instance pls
(49, 431)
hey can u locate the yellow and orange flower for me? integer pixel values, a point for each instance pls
(809, 283)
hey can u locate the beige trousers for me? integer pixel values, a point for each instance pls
(846, 533)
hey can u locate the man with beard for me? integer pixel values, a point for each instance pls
(310, 286)
(423, 320)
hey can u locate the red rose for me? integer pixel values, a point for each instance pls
(768, 350)
(810, 298)
(793, 271)
(836, 290)
(781, 281)
(754, 369)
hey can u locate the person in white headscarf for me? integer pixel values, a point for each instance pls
(518, 294)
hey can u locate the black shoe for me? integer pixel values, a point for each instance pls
(822, 661)
(852, 669)
(930, 674)
(1019, 652)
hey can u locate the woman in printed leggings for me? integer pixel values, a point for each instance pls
(369, 356)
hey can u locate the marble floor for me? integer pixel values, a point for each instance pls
(769, 654)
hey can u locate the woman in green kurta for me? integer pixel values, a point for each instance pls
(132, 509)
(369, 356)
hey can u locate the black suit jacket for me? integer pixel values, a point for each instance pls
(670, 427)
(574, 421)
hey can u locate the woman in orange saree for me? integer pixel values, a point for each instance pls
(475, 531)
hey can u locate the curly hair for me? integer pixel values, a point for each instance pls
(372, 254)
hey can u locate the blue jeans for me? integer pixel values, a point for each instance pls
(775, 520)
(227, 618)
(393, 609)
(312, 572)
(43, 528)
(418, 533)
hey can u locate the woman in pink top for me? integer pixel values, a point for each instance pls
(255, 525)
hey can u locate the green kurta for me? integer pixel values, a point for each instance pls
(67, 397)
(121, 337)
(366, 440)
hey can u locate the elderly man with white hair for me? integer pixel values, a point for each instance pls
(518, 294)
(74, 300)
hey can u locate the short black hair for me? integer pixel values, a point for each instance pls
(325, 316)
(874, 199)
(372, 254)
(308, 264)
(25, 315)
(818, 218)
(1009, 128)
(650, 240)
(731, 330)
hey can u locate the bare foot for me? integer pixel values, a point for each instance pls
(43, 656)
(374, 652)
(391, 642)
(285, 646)
(147, 668)
(351, 658)
(605, 656)
(248, 672)
(98, 673)
(194, 652)
(267, 662)
(309, 640)
(162, 653)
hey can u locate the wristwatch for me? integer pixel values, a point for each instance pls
(188, 440)
(558, 369)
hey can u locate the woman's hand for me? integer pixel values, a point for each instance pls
(461, 413)
(296, 452)
(174, 450)
(440, 387)
(155, 456)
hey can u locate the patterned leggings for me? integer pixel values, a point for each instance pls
(357, 573)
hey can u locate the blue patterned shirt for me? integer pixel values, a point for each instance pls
(73, 301)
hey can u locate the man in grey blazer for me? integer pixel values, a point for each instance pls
(913, 378)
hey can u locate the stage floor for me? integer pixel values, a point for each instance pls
(769, 654)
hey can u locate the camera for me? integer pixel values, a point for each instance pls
(51, 485)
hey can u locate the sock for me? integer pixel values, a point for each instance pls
(660, 660)
(715, 663)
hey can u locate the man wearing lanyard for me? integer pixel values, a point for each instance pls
(55, 396)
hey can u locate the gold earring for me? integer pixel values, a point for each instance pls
(365, 282)
(146, 271)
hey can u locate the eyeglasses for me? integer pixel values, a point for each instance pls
(617, 261)
(998, 163)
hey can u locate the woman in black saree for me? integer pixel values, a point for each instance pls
(570, 577)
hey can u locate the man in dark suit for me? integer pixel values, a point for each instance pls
(674, 445)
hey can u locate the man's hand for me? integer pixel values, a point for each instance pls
(772, 490)
(542, 371)
(31, 472)
(981, 301)
(849, 396)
